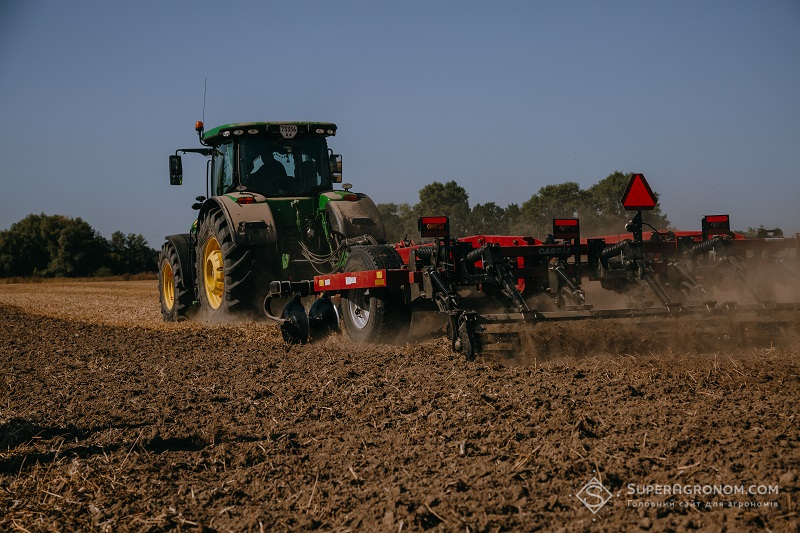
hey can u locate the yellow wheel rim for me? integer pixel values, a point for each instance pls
(213, 273)
(168, 286)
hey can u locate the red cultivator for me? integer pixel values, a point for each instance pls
(487, 284)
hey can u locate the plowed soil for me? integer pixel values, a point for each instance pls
(111, 420)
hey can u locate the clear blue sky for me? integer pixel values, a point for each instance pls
(703, 97)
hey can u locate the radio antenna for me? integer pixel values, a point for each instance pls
(205, 85)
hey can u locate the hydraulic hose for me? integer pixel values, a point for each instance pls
(708, 245)
(615, 249)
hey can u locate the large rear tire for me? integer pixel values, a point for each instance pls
(228, 275)
(377, 315)
(174, 295)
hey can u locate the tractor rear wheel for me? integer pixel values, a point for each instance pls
(228, 276)
(175, 296)
(377, 315)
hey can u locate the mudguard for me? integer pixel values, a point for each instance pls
(355, 218)
(250, 223)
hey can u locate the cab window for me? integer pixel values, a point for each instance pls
(284, 167)
(222, 178)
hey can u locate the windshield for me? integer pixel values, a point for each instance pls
(284, 167)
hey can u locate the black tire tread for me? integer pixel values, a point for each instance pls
(184, 296)
(244, 294)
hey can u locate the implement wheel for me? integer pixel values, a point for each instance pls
(175, 297)
(377, 315)
(228, 278)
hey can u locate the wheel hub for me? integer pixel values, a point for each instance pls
(213, 273)
(168, 286)
(359, 310)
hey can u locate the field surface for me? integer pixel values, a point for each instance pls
(111, 420)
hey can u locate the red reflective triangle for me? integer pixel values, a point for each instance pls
(638, 195)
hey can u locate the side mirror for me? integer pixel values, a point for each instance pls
(175, 170)
(336, 168)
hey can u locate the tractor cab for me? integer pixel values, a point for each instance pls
(273, 159)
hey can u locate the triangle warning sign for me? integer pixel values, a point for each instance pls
(638, 195)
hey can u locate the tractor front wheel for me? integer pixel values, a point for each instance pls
(377, 315)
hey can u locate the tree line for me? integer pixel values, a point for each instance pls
(56, 246)
(598, 208)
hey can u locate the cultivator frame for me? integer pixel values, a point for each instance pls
(672, 267)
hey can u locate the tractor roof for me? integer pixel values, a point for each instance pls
(256, 128)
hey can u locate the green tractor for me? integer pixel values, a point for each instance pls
(270, 214)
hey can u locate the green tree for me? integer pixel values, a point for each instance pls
(130, 254)
(29, 246)
(514, 222)
(446, 199)
(60, 246)
(565, 200)
(141, 257)
(487, 219)
(9, 259)
(80, 250)
(400, 221)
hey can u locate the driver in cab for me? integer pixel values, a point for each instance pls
(267, 175)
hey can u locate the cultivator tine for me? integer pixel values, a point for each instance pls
(636, 267)
(723, 245)
(646, 273)
(742, 273)
(685, 280)
(505, 343)
(490, 335)
(497, 268)
(570, 294)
